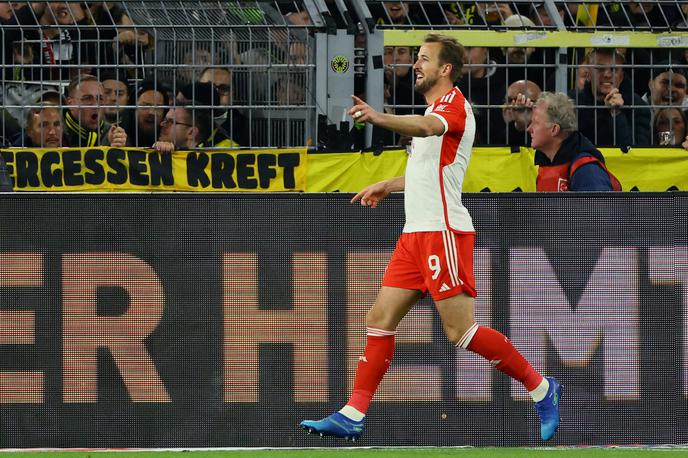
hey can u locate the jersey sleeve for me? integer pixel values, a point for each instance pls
(452, 114)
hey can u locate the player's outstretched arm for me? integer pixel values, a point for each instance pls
(409, 125)
(373, 194)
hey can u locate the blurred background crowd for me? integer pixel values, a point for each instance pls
(200, 74)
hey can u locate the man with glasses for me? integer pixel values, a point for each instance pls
(183, 128)
(84, 123)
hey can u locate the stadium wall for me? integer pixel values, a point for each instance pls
(187, 320)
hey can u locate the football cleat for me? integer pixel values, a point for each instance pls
(548, 410)
(336, 425)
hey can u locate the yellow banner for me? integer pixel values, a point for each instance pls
(351, 172)
(499, 169)
(492, 169)
(130, 169)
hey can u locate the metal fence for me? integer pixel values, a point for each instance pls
(282, 72)
(259, 56)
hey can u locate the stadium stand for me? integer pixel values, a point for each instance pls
(289, 67)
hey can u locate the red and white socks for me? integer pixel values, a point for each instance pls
(488, 343)
(501, 353)
(372, 366)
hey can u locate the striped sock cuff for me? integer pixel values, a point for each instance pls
(379, 332)
(466, 339)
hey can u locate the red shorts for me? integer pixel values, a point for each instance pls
(437, 262)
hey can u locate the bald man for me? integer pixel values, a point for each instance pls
(518, 110)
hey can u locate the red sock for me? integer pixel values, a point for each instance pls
(371, 367)
(496, 348)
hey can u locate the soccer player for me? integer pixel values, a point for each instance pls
(435, 251)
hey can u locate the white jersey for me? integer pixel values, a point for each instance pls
(436, 168)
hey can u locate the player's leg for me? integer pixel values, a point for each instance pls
(450, 280)
(391, 305)
(464, 332)
(402, 286)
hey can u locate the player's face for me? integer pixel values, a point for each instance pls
(540, 127)
(45, 129)
(428, 67)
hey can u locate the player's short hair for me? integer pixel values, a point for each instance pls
(452, 52)
(560, 110)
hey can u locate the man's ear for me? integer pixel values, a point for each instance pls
(447, 69)
(195, 133)
(556, 130)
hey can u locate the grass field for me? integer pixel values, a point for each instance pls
(582, 452)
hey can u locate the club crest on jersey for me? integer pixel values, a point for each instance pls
(442, 107)
(563, 185)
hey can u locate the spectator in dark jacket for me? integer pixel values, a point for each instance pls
(482, 83)
(84, 123)
(609, 112)
(568, 160)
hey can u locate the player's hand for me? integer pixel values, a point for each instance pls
(685, 143)
(164, 147)
(614, 100)
(117, 136)
(362, 112)
(372, 195)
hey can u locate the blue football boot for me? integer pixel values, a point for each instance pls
(336, 425)
(548, 410)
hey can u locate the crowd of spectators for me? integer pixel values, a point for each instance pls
(83, 72)
(624, 97)
(81, 67)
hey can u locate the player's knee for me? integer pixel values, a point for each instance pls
(455, 332)
(377, 318)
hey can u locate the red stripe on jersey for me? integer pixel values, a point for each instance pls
(456, 124)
